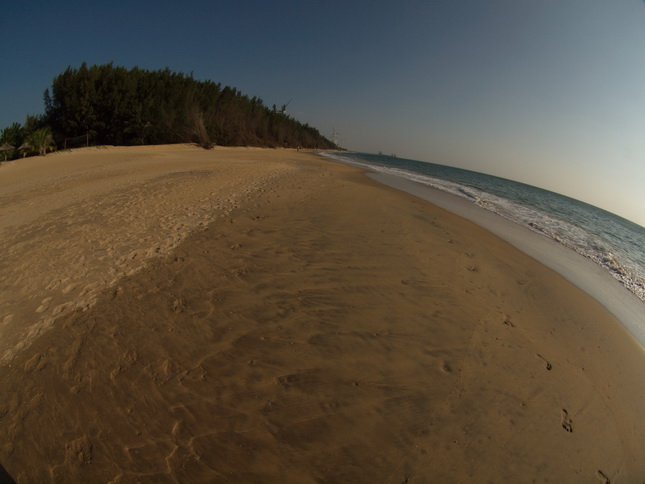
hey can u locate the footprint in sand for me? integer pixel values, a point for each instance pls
(603, 478)
(44, 305)
(506, 319)
(547, 365)
(567, 423)
(79, 451)
(62, 307)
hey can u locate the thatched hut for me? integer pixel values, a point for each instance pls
(25, 148)
(6, 148)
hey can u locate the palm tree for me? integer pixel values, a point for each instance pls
(41, 140)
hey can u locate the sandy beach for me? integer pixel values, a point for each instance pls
(170, 314)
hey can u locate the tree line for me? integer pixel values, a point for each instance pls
(32, 138)
(113, 105)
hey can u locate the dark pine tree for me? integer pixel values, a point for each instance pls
(119, 106)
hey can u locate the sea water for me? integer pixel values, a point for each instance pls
(612, 242)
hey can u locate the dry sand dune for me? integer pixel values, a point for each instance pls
(73, 224)
(170, 314)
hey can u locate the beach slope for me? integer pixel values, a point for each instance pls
(169, 314)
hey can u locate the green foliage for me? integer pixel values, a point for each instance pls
(12, 135)
(23, 137)
(40, 141)
(119, 106)
(122, 106)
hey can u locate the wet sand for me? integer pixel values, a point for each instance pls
(170, 314)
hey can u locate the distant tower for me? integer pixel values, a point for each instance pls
(335, 136)
(284, 107)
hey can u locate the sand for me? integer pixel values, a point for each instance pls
(169, 314)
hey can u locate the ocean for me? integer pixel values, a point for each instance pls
(612, 242)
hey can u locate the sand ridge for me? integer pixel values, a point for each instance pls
(323, 328)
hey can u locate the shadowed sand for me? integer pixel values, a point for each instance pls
(170, 314)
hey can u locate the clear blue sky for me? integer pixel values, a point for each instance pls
(548, 92)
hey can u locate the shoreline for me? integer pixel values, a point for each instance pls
(270, 316)
(577, 269)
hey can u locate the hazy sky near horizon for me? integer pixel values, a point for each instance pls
(548, 92)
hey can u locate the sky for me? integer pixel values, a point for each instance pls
(546, 92)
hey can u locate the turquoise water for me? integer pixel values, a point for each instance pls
(614, 243)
